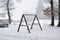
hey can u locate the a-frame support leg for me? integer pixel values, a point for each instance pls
(20, 23)
(37, 23)
(25, 25)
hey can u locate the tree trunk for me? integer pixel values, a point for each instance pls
(52, 13)
(59, 14)
(8, 11)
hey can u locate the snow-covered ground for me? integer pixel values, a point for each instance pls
(48, 33)
(29, 7)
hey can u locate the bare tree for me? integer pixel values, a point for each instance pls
(53, 9)
(7, 5)
(47, 11)
(52, 13)
(59, 14)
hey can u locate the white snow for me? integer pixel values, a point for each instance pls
(29, 7)
(48, 33)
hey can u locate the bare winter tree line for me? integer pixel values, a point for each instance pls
(52, 12)
(7, 5)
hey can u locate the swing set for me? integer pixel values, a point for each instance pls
(35, 18)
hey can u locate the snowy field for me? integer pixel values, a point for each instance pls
(48, 33)
(29, 7)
